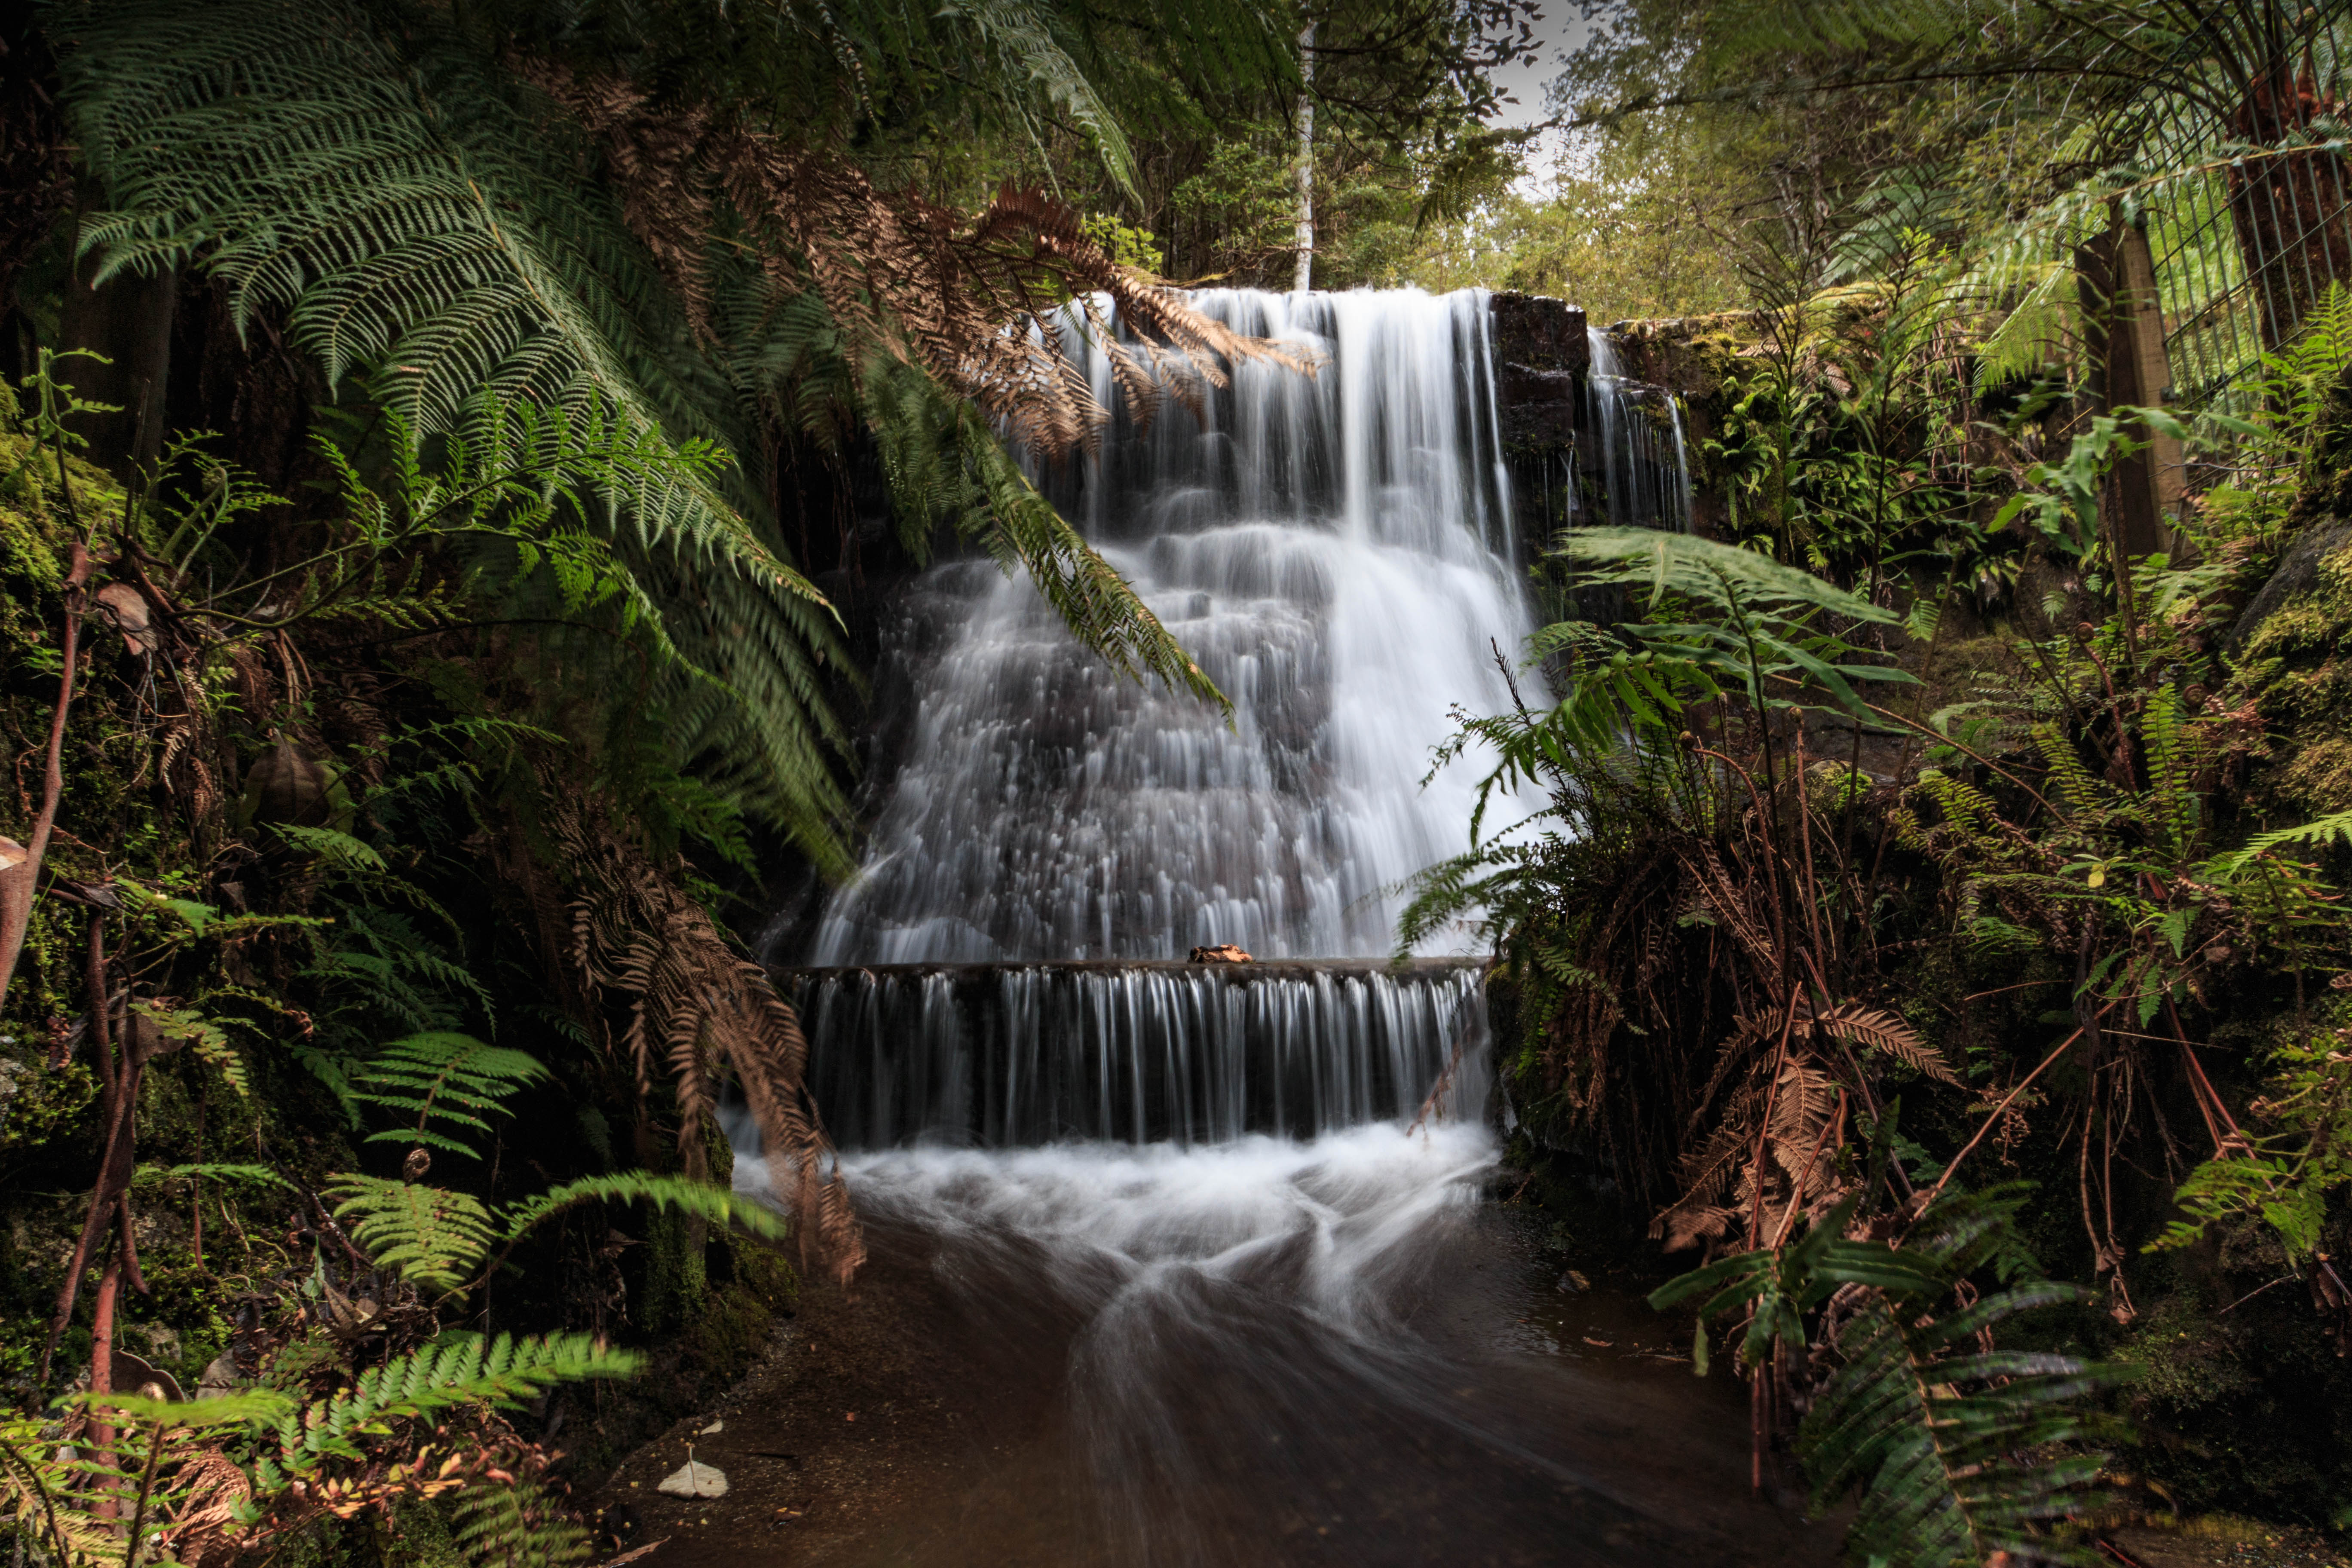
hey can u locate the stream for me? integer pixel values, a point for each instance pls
(1271, 1352)
(1203, 1263)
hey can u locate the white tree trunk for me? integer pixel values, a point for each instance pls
(1303, 233)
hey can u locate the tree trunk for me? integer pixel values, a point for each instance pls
(1303, 231)
(2290, 210)
(2124, 323)
(128, 320)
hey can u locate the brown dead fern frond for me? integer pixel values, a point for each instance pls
(1877, 1030)
(639, 939)
(974, 300)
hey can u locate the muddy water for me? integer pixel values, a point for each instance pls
(1338, 1350)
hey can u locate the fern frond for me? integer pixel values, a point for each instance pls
(1020, 527)
(1023, 34)
(417, 213)
(1709, 571)
(457, 1368)
(1933, 1437)
(2178, 806)
(2320, 832)
(201, 1036)
(259, 1175)
(701, 1200)
(517, 1526)
(447, 1077)
(430, 1236)
(2075, 786)
(1878, 1030)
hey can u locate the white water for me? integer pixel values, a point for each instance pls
(1224, 1220)
(1321, 1223)
(1189, 1053)
(1646, 482)
(1336, 553)
(1223, 1298)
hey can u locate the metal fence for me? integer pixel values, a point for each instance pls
(2249, 221)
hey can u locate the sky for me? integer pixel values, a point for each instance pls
(1561, 28)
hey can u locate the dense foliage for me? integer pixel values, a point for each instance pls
(1937, 776)
(425, 433)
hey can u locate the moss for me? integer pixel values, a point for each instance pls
(727, 1333)
(676, 1282)
(2320, 775)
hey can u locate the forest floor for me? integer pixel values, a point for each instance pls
(854, 1417)
(2225, 1543)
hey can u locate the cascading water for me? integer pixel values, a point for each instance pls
(1645, 481)
(1005, 1056)
(1200, 1205)
(1336, 553)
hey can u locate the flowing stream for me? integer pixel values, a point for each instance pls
(1213, 1242)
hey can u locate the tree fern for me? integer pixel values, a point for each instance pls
(1021, 31)
(444, 1078)
(396, 196)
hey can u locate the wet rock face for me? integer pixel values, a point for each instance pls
(1540, 357)
(1537, 331)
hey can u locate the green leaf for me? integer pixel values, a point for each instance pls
(430, 1236)
(701, 1199)
(444, 1078)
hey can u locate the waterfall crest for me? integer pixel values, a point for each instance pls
(1335, 551)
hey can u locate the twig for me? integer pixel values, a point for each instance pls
(1461, 1045)
(2282, 1279)
(1943, 740)
(16, 882)
(1936, 1191)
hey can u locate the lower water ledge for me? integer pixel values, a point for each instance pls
(1011, 1055)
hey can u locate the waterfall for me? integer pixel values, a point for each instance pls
(1220, 1225)
(1014, 1054)
(1335, 551)
(1644, 472)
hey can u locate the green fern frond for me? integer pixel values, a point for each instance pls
(2074, 784)
(2321, 831)
(257, 1176)
(1709, 571)
(201, 1036)
(447, 1077)
(2174, 799)
(517, 1527)
(700, 1200)
(1023, 34)
(457, 1368)
(1020, 527)
(1932, 1434)
(418, 215)
(432, 1237)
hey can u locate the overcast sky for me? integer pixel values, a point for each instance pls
(1561, 27)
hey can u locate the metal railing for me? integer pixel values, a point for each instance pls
(2248, 223)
